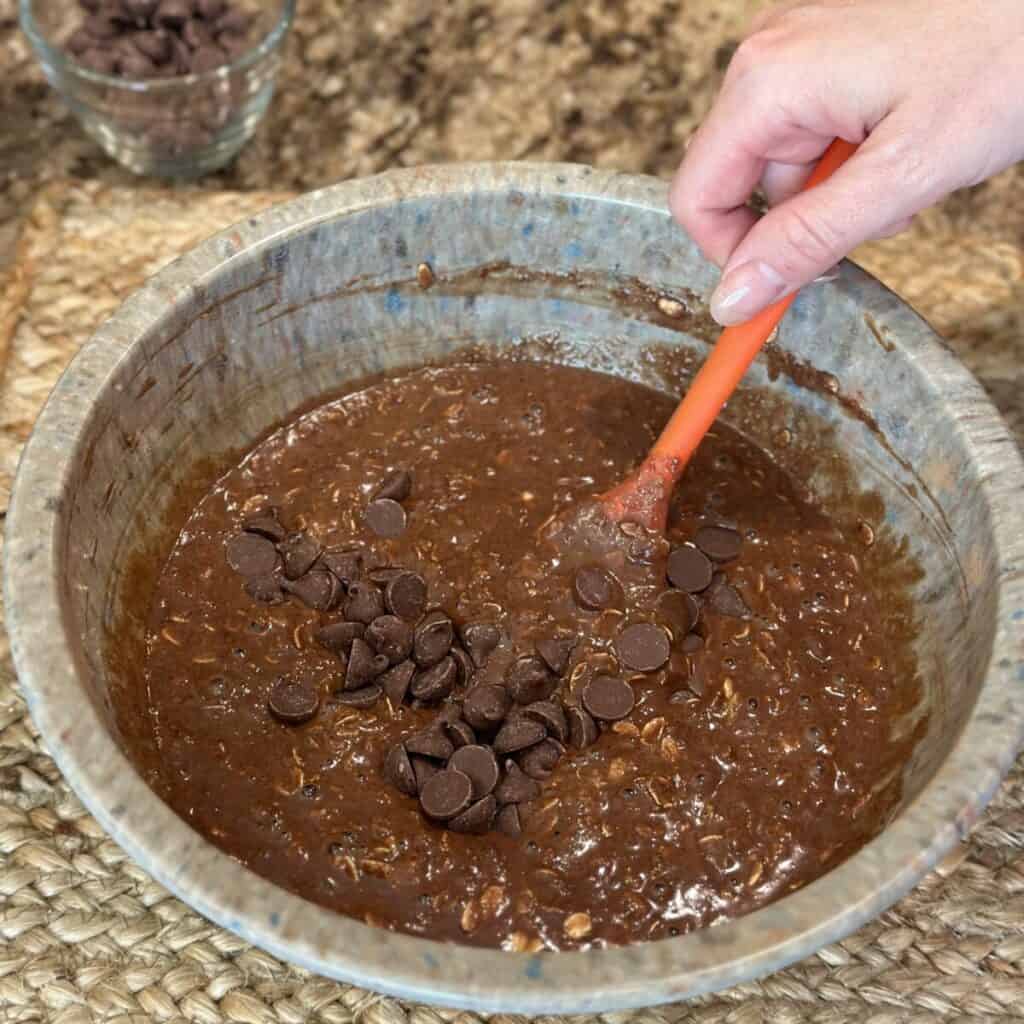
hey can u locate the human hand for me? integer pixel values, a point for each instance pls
(932, 89)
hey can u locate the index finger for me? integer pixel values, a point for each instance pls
(725, 162)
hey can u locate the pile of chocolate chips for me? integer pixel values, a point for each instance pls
(491, 744)
(276, 562)
(481, 759)
(159, 38)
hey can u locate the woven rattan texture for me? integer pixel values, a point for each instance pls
(86, 936)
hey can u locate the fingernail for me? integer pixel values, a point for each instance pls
(744, 291)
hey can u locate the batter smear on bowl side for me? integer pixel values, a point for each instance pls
(384, 672)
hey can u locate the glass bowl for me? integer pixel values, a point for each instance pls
(176, 126)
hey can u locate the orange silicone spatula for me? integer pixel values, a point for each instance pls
(643, 497)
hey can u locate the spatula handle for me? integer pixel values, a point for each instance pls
(732, 355)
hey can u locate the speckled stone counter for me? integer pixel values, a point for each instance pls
(369, 85)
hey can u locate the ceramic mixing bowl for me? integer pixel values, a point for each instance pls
(588, 267)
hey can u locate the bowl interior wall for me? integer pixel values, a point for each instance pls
(557, 277)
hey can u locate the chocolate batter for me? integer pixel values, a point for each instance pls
(709, 765)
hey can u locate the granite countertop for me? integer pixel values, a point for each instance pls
(368, 86)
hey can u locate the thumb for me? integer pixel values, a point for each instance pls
(797, 241)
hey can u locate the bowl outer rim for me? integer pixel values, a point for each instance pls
(420, 969)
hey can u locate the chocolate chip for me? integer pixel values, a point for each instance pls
(431, 742)
(486, 706)
(384, 574)
(508, 821)
(98, 60)
(717, 580)
(551, 715)
(196, 35)
(726, 600)
(364, 666)
(463, 663)
(101, 26)
(365, 697)
(607, 698)
(719, 543)
(157, 47)
(173, 13)
(250, 555)
(692, 643)
(395, 682)
(397, 486)
(338, 636)
(555, 651)
(299, 552)
(689, 569)
(480, 639)
(477, 818)
(206, 58)
(385, 517)
(210, 10)
(583, 729)
(480, 764)
(446, 795)
(234, 22)
(139, 11)
(365, 603)
(436, 682)
(293, 700)
(406, 596)
(423, 769)
(643, 647)
(432, 639)
(595, 588)
(678, 671)
(317, 589)
(390, 636)
(79, 41)
(518, 734)
(346, 564)
(461, 733)
(122, 47)
(135, 65)
(232, 45)
(373, 559)
(181, 54)
(265, 589)
(398, 770)
(539, 762)
(449, 711)
(679, 611)
(516, 787)
(528, 679)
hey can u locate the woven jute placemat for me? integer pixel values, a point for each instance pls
(86, 936)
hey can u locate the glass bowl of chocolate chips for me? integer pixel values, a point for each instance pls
(172, 88)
